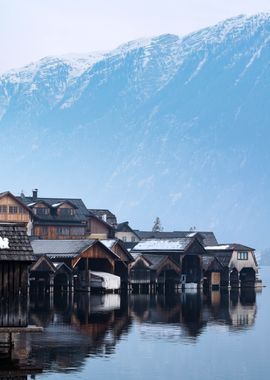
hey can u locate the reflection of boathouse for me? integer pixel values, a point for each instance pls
(76, 327)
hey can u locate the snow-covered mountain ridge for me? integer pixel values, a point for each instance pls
(175, 125)
(58, 75)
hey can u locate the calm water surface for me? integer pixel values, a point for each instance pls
(187, 336)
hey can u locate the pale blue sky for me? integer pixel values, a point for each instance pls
(32, 29)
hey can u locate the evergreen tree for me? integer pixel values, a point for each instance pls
(157, 225)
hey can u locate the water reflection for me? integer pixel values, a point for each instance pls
(80, 327)
(76, 327)
(192, 312)
(15, 348)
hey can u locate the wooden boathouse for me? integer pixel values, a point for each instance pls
(80, 262)
(154, 273)
(16, 256)
(230, 265)
(186, 253)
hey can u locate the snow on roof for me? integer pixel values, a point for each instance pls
(192, 234)
(57, 204)
(162, 244)
(109, 243)
(31, 204)
(218, 247)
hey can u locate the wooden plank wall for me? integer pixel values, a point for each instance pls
(13, 294)
(13, 279)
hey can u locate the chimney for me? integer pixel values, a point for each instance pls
(104, 217)
(35, 195)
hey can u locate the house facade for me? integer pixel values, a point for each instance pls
(127, 234)
(99, 228)
(46, 218)
(13, 210)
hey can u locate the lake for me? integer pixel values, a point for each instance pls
(185, 336)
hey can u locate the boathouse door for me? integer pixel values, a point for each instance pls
(215, 278)
(191, 267)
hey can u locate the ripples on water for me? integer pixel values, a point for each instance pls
(189, 335)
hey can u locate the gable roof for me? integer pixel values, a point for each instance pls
(36, 203)
(68, 249)
(62, 266)
(43, 264)
(216, 263)
(99, 213)
(111, 243)
(80, 216)
(16, 199)
(56, 205)
(154, 261)
(207, 236)
(19, 247)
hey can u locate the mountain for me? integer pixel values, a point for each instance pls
(167, 126)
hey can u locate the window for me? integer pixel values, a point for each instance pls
(133, 239)
(3, 209)
(22, 210)
(62, 231)
(78, 231)
(242, 255)
(66, 211)
(41, 211)
(13, 209)
(124, 238)
(44, 231)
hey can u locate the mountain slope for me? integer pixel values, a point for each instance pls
(168, 126)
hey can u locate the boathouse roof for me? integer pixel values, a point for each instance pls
(207, 237)
(14, 243)
(229, 247)
(215, 262)
(69, 249)
(179, 244)
(156, 262)
(111, 243)
(61, 248)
